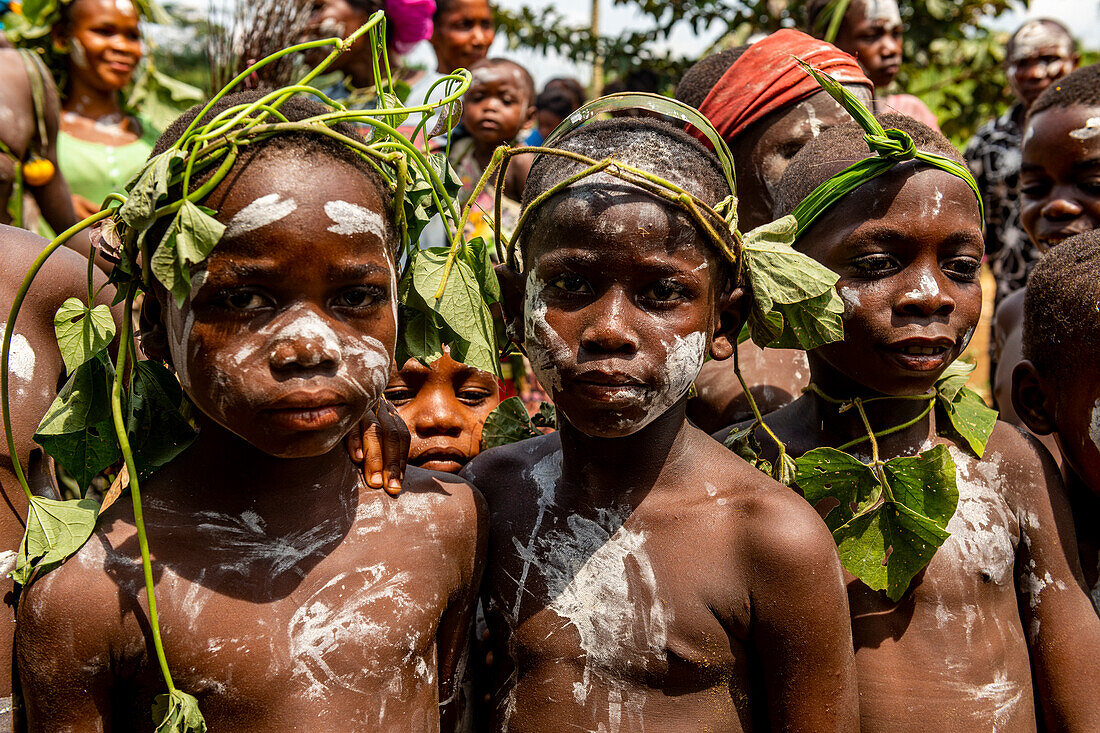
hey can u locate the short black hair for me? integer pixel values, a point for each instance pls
(814, 23)
(1050, 22)
(524, 74)
(301, 144)
(838, 147)
(698, 81)
(1077, 88)
(648, 143)
(558, 102)
(1062, 307)
(444, 6)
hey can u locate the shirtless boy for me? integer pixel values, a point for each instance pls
(1060, 163)
(291, 596)
(1056, 389)
(640, 576)
(1000, 609)
(766, 108)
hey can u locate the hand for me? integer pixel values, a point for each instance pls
(83, 207)
(383, 438)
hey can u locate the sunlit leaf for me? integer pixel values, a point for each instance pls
(55, 530)
(507, 423)
(82, 332)
(178, 712)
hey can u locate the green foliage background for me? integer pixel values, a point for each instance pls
(953, 61)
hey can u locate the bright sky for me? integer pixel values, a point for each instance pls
(1080, 16)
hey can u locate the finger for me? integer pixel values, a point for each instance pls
(395, 446)
(372, 448)
(353, 441)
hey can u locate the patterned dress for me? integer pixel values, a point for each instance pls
(994, 158)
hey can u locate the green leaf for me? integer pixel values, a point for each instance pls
(448, 118)
(794, 300)
(970, 418)
(926, 484)
(476, 255)
(55, 530)
(78, 431)
(150, 186)
(393, 102)
(82, 332)
(157, 429)
(954, 378)
(166, 267)
(886, 547)
(829, 473)
(507, 423)
(178, 712)
(198, 232)
(546, 417)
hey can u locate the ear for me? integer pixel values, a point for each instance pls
(532, 110)
(513, 290)
(58, 39)
(730, 311)
(152, 335)
(1030, 399)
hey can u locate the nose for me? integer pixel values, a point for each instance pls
(434, 416)
(891, 46)
(1060, 206)
(303, 340)
(926, 295)
(608, 330)
(482, 37)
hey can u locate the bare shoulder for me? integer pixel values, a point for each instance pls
(503, 469)
(64, 274)
(443, 497)
(1016, 462)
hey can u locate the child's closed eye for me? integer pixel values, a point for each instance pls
(473, 396)
(399, 395)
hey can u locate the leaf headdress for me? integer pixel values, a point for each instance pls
(133, 411)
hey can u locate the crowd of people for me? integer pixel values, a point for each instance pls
(636, 566)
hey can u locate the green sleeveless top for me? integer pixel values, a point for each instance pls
(94, 170)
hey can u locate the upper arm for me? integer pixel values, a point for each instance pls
(801, 626)
(1062, 628)
(62, 656)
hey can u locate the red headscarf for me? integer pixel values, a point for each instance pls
(766, 78)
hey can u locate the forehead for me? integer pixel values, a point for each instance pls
(1062, 133)
(819, 111)
(466, 9)
(877, 11)
(117, 10)
(1039, 39)
(912, 201)
(615, 220)
(319, 204)
(496, 75)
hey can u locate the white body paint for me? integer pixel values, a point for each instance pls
(1094, 425)
(926, 287)
(261, 212)
(544, 346)
(545, 474)
(886, 10)
(600, 579)
(850, 296)
(20, 356)
(351, 219)
(980, 541)
(1034, 36)
(1089, 131)
(811, 118)
(125, 7)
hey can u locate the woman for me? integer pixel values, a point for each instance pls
(100, 147)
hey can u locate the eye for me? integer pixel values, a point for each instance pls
(363, 296)
(399, 395)
(1091, 186)
(1035, 189)
(664, 291)
(963, 269)
(244, 300)
(877, 265)
(473, 397)
(572, 284)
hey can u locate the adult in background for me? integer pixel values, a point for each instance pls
(872, 31)
(1039, 53)
(462, 31)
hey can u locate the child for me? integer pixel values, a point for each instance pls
(498, 104)
(444, 404)
(640, 575)
(291, 596)
(766, 108)
(1060, 160)
(1056, 389)
(1000, 608)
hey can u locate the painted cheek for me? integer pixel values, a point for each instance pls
(547, 350)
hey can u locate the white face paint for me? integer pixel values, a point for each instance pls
(850, 296)
(261, 212)
(884, 10)
(545, 348)
(1033, 37)
(351, 219)
(1089, 131)
(811, 118)
(20, 356)
(1094, 425)
(927, 287)
(125, 7)
(77, 54)
(179, 329)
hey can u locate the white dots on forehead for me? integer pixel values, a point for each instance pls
(351, 219)
(260, 213)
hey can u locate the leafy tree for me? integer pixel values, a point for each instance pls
(953, 61)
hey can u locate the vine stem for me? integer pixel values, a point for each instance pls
(876, 461)
(756, 409)
(125, 346)
(9, 331)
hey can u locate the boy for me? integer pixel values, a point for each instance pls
(999, 608)
(444, 404)
(766, 108)
(639, 575)
(496, 107)
(1058, 198)
(1056, 389)
(291, 596)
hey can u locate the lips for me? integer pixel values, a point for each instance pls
(613, 388)
(307, 411)
(919, 354)
(448, 460)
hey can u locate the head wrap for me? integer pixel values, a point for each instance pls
(410, 22)
(767, 78)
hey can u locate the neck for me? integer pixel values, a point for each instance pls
(87, 101)
(360, 70)
(483, 151)
(882, 412)
(623, 470)
(221, 472)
